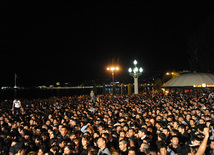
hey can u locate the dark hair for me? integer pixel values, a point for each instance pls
(162, 136)
(182, 126)
(175, 136)
(143, 130)
(161, 145)
(132, 149)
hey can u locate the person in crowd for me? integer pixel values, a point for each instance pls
(16, 107)
(101, 142)
(143, 124)
(123, 145)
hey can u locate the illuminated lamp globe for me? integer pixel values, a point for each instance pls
(135, 62)
(141, 69)
(135, 70)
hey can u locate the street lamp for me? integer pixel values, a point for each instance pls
(135, 73)
(113, 69)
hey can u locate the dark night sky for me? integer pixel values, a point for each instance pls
(76, 42)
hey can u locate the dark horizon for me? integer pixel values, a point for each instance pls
(76, 42)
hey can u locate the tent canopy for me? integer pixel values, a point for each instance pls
(191, 80)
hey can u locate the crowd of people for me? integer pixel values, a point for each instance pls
(146, 124)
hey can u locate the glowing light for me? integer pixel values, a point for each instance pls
(135, 62)
(113, 68)
(135, 70)
(141, 69)
(130, 70)
(203, 84)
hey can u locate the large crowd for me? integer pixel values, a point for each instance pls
(146, 124)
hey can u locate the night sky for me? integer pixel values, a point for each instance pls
(76, 42)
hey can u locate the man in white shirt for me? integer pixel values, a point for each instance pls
(16, 106)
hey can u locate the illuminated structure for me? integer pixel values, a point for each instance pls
(15, 86)
(135, 73)
(113, 69)
(191, 80)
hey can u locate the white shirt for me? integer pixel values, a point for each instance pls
(17, 104)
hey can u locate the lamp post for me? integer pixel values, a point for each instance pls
(135, 73)
(113, 69)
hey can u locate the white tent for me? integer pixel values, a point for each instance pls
(191, 80)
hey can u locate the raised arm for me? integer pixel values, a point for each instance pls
(203, 146)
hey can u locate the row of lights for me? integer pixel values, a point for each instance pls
(113, 68)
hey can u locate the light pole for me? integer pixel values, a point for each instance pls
(135, 73)
(113, 69)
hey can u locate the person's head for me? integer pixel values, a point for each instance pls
(123, 145)
(144, 147)
(101, 142)
(142, 132)
(42, 150)
(166, 131)
(131, 132)
(192, 122)
(72, 136)
(152, 151)
(132, 151)
(122, 133)
(175, 124)
(161, 137)
(212, 144)
(181, 128)
(118, 128)
(67, 150)
(195, 141)
(61, 143)
(132, 142)
(96, 135)
(175, 140)
(162, 148)
(85, 140)
(63, 131)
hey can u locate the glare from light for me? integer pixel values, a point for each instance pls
(141, 69)
(117, 68)
(135, 62)
(112, 69)
(130, 70)
(135, 70)
(203, 84)
(108, 69)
